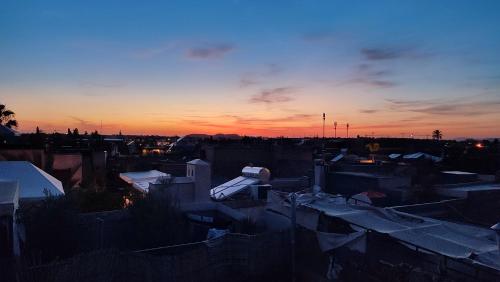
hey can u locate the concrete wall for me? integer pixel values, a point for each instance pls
(182, 192)
(350, 184)
(34, 156)
(389, 183)
(283, 161)
(68, 169)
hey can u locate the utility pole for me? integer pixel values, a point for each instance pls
(324, 116)
(293, 199)
(347, 127)
(335, 128)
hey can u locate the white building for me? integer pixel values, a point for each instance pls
(194, 187)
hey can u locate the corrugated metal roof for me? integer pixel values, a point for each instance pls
(446, 238)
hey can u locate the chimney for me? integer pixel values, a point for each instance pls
(319, 176)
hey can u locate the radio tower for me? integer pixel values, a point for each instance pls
(335, 128)
(347, 127)
(324, 116)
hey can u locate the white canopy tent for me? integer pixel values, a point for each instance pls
(140, 180)
(34, 183)
(9, 197)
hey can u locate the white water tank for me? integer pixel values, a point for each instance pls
(261, 173)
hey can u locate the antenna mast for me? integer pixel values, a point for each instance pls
(335, 129)
(324, 116)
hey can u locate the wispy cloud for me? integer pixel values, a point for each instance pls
(273, 96)
(381, 54)
(247, 81)
(251, 123)
(374, 73)
(368, 111)
(213, 51)
(84, 124)
(318, 36)
(254, 78)
(148, 53)
(382, 83)
(81, 122)
(391, 53)
(267, 121)
(273, 69)
(98, 89)
(93, 84)
(204, 123)
(368, 75)
(201, 51)
(458, 107)
(412, 119)
(485, 82)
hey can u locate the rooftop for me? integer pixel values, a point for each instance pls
(33, 182)
(137, 176)
(464, 190)
(198, 162)
(458, 241)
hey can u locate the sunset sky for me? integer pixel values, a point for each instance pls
(271, 68)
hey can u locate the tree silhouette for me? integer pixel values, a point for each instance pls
(7, 117)
(437, 134)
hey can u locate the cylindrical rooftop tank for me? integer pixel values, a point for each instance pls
(262, 173)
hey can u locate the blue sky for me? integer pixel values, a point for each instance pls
(253, 67)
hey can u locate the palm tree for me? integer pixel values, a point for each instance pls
(7, 117)
(437, 134)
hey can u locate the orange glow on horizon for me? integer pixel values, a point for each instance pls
(277, 129)
(301, 117)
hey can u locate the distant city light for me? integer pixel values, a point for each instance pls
(479, 145)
